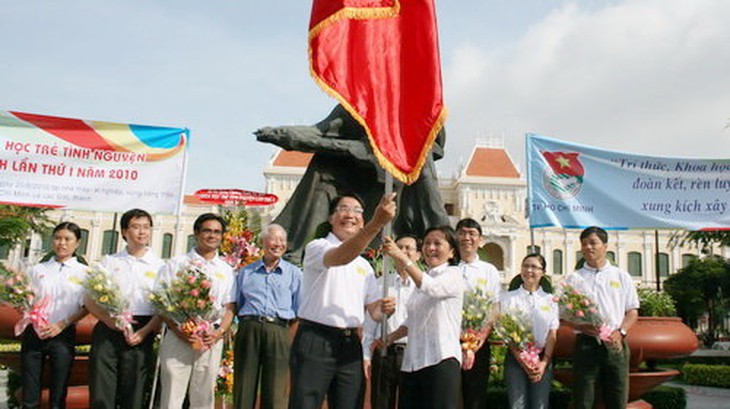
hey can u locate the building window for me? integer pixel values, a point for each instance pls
(557, 262)
(533, 249)
(47, 243)
(109, 242)
(579, 261)
(493, 254)
(449, 207)
(191, 242)
(663, 264)
(611, 256)
(686, 258)
(83, 243)
(166, 245)
(635, 263)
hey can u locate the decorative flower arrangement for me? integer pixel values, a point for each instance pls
(238, 246)
(187, 301)
(375, 258)
(101, 286)
(16, 290)
(224, 381)
(475, 319)
(655, 304)
(576, 307)
(515, 329)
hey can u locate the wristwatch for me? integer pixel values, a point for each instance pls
(622, 332)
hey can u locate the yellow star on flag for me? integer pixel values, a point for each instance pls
(563, 161)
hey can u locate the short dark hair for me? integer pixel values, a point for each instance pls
(336, 201)
(450, 236)
(198, 224)
(419, 242)
(133, 214)
(469, 223)
(70, 226)
(594, 230)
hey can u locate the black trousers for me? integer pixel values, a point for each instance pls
(474, 381)
(33, 352)
(119, 373)
(326, 361)
(386, 377)
(433, 387)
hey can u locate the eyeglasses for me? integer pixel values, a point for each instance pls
(531, 267)
(348, 209)
(210, 232)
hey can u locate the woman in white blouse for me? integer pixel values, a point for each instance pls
(529, 386)
(58, 282)
(431, 361)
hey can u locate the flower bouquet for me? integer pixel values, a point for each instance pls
(101, 287)
(187, 301)
(16, 290)
(577, 308)
(374, 256)
(514, 327)
(475, 319)
(224, 381)
(238, 247)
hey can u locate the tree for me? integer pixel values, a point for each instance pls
(16, 222)
(701, 287)
(705, 239)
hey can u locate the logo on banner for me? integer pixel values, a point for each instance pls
(563, 179)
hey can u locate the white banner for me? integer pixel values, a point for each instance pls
(90, 165)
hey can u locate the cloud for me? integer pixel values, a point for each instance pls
(643, 76)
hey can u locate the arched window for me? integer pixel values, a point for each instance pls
(557, 262)
(494, 254)
(686, 258)
(109, 242)
(663, 264)
(166, 245)
(47, 243)
(83, 243)
(4, 251)
(579, 261)
(635, 263)
(611, 256)
(534, 250)
(191, 242)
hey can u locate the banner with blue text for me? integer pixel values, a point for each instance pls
(575, 186)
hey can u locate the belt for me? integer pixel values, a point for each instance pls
(397, 348)
(341, 332)
(264, 319)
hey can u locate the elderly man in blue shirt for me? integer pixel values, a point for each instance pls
(267, 301)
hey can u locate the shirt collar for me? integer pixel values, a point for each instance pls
(605, 266)
(524, 292)
(146, 257)
(193, 254)
(438, 269)
(333, 239)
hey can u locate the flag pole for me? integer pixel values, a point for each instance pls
(387, 231)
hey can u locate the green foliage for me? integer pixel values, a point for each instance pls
(707, 375)
(666, 397)
(701, 287)
(655, 304)
(16, 222)
(703, 239)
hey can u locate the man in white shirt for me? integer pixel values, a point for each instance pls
(122, 362)
(383, 370)
(183, 369)
(606, 363)
(484, 276)
(326, 356)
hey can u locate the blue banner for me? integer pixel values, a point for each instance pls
(576, 186)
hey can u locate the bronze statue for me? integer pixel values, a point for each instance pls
(343, 162)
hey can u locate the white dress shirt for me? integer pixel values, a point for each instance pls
(136, 277)
(333, 296)
(399, 288)
(434, 319)
(61, 284)
(482, 275)
(610, 287)
(539, 306)
(220, 273)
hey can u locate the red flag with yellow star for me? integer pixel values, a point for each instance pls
(564, 163)
(380, 59)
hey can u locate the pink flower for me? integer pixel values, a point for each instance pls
(9, 282)
(191, 279)
(569, 306)
(556, 299)
(579, 314)
(593, 310)
(586, 302)
(205, 283)
(194, 292)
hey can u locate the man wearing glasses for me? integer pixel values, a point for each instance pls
(479, 275)
(185, 370)
(326, 356)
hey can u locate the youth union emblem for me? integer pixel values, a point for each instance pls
(563, 179)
